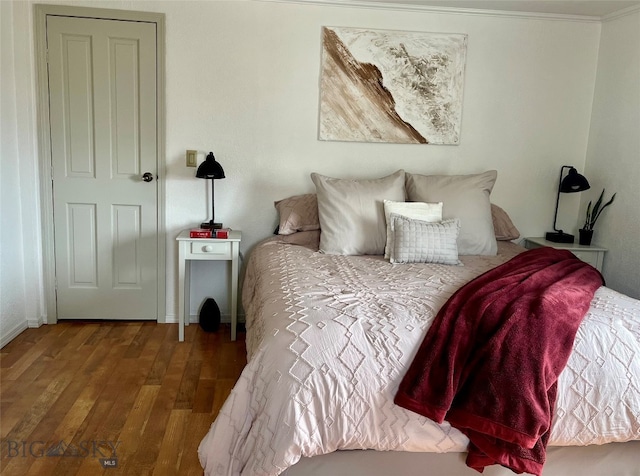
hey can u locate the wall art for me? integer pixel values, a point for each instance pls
(391, 86)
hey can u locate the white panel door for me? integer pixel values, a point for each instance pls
(102, 100)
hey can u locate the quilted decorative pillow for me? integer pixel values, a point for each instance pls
(431, 212)
(351, 212)
(503, 227)
(417, 241)
(465, 197)
(298, 213)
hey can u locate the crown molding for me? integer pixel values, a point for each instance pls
(447, 10)
(621, 13)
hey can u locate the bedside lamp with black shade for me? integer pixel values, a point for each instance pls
(571, 183)
(211, 169)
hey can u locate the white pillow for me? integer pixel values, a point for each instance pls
(431, 212)
(465, 197)
(351, 212)
(417, 241)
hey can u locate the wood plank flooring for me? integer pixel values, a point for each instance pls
(90, 398)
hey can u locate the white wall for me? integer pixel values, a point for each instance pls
(20, 270)
(613, 157)
(242, 80)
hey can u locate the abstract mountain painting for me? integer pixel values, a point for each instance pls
(391, 86)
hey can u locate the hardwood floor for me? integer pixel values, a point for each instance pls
(77, 398)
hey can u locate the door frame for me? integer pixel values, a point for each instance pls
(44, 142)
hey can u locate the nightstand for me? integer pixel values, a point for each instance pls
(214, 249)
(593, 254)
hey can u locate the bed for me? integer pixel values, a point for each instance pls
(330, 335)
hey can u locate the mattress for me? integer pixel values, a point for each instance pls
(330, 337)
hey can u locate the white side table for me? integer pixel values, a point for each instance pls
(213, 249)
(592, 254)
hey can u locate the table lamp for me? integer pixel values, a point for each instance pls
(211, 169)
(573, 182)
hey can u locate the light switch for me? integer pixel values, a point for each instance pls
(192, 158)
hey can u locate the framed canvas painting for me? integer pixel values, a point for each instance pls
(391, 86)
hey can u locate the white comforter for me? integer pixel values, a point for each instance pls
(329, 339)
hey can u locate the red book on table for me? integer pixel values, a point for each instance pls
(200, 233)
(208, 233)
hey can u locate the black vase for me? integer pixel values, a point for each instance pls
(210, 316)
(585, 237)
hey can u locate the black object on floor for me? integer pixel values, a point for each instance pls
(209, 316)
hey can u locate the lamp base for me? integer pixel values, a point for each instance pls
(559, 237)
(207, 225)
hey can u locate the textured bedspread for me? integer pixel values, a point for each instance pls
(490, 361)
(329, 339)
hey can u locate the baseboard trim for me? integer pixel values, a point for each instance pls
(193, 319)
(13, 333)
(35, 323)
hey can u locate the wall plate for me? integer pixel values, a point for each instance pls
(192, 158)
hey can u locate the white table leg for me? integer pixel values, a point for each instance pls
(181, 283)
(234, 288)
(187, 292)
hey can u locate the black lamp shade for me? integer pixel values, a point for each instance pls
(574, 182)
(210, 168)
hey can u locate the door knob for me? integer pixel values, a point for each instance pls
(147, 177)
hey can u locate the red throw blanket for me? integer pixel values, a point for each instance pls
(490, 361)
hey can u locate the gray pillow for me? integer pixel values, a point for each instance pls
(431, 212)
(417, 241)
(351, 212)
(465, 197)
